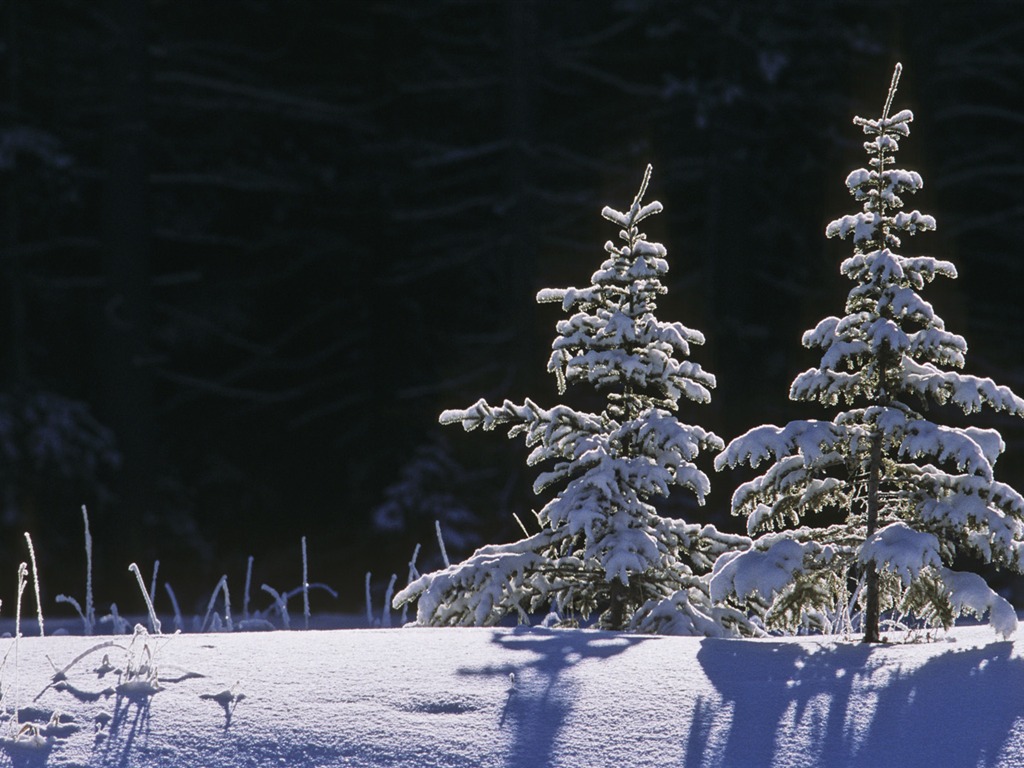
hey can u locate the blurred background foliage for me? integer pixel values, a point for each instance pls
(249, 250)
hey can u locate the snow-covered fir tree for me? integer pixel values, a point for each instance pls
(863, 516)
(601, 547)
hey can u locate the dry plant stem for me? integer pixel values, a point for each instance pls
(282, 604)
(248, 584)
(35, 581)
(386, 617)
(440, 542)
(22, 580)
(60, 675)
(152, 582)
(305, 583)
(154, 622)
(222, 586)
(413, 575)
(369, 603)
(90, 611)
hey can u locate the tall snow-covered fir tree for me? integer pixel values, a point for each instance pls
(864, 516)
(601, 547)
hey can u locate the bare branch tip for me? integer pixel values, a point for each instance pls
(643, 187)
(892, 89)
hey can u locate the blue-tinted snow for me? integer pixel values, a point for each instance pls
(507, 698)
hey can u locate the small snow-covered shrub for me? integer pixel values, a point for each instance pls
(863, 515)
(601, 547)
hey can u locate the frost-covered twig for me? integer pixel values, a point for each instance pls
(152, 581)
(440, 543)
(311, 586)
(248, 583)
(222, 586)
(385, 620)
(88, 614)
(413, 575)
(90, 610)
(280, 602)
(22, 581)
(61, 675)
(78, 609)
(154, 622)
(369, 602)
(892, 89)
(35, 581)
(413, 572)
(305, 584)
(138, 680)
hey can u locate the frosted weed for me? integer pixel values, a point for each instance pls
(139, 679)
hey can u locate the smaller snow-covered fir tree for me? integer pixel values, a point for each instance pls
(601, 547)
(866, 514)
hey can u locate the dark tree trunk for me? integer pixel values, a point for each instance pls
(617, 605)
(871, 609)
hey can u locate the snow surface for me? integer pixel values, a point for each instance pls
(522, 698)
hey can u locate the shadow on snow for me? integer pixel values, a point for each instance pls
(778, 704)
(540, 696)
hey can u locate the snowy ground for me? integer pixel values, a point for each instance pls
(517, 698)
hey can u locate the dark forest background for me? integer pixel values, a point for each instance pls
(249, 250)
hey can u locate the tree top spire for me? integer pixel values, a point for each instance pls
(892, 90)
